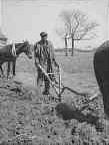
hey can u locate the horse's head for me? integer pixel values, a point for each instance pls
(27, 49)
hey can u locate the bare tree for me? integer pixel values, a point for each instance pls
(77, 26)
(63, 33)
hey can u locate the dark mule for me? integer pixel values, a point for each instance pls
(6, 54)
(101, 68)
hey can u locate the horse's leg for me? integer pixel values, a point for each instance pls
(14, 67)
(8, 70)
(1, 70)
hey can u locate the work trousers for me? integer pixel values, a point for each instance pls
(41, 77)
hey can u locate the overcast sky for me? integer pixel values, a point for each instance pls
(25, 19)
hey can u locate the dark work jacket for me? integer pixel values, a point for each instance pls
(44, 55)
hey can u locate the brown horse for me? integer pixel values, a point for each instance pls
(101, 68)
(6, 55)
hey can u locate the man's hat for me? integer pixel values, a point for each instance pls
(42, 34)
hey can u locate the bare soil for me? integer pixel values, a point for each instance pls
(27, 117)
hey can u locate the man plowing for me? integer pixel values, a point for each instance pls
(45, 57)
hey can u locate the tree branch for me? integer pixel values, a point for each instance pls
(76, 25)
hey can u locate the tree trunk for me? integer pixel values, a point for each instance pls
(72, 51)
(66, 48)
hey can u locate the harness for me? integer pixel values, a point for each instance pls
(13, 50)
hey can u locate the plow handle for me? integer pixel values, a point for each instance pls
(46, 74)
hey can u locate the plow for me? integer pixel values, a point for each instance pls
(60, 88)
